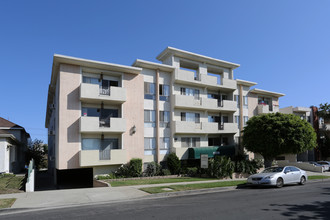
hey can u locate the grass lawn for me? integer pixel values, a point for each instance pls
(154, 181)
(174, 188)
(6, 203)
(11, 184)
(318, 177)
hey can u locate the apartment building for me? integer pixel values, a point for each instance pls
(100, 115)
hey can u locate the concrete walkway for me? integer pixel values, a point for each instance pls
(69, 197)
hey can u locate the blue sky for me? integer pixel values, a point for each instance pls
(282, 45)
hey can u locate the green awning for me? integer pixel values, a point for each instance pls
(195, 152)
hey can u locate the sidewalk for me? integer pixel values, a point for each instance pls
(68, 197)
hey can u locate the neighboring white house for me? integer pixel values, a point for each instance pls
(13, 141)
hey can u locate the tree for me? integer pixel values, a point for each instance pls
(173, 163)
(274, 134)
(37, 150)
(324, 111)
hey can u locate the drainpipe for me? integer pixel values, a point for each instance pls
(157, 117)
(241, 118)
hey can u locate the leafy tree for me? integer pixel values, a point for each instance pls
(37, 150)
(274, 134)
(324, 111)
(173, 163)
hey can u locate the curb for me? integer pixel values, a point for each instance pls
(9, 211)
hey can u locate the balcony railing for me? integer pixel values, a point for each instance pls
(185, 127)
(89, 158)
(95, 93)
(105, 154)
(108, 125)
(186, 76)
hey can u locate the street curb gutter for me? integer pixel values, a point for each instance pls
(9, 211)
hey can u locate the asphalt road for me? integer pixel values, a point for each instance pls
(311, 201)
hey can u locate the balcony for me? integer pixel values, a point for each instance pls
(186, 127)
(92, 158)
(92, 93)
(188, 77)
(93, 125)
(264, 108)
(190, 102)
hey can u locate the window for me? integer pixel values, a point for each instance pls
(164, 92)
(99, 144)
(190, 142)
(164, 119)
(266, 101)
(214, 141)
(190, 92)
(225, 119)
(149, 118)
(103, 114)
(91, 80)
(212, 118)
(245, 119)
(149, 143)
(237, 120)
(92, 112)
(149, 90)
(245, 102)
(188, 116)
(149, 146)
(237, 99)
(164, 143)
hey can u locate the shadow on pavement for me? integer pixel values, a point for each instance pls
(315, 210)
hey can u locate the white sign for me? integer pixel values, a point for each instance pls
(204, 161)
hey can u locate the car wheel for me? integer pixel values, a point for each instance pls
(302, 180)
(279, 183)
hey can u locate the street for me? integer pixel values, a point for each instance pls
(311, 201)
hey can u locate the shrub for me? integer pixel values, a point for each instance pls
(247, 166)
(192, 171)
(123, 171)
(220, 167)
(153, 169)
(166, 172)
(173, 163)
(135, 167)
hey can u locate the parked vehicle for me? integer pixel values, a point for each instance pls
(326, 164)
(278, 176)
(324, 167)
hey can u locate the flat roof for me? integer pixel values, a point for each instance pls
(245, 82)
(152, 65)
(194, 56)
(265, 92)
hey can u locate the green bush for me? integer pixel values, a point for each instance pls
(173, 163)
(192, 171)
(123, 171)
(135, 167)
(153, 169)
(7, 175)
(220, 167)
(247, 166)
(165, 172)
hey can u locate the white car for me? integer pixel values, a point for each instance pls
(325, 164)
(278, 176)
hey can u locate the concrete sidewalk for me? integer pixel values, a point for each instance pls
(69, 197)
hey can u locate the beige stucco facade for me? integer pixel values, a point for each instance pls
(187, 100)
